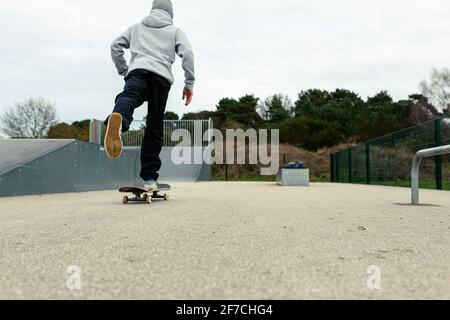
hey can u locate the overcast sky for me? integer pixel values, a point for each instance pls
(59, 49)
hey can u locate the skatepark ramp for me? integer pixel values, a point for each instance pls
(30, 167)
(55, 166)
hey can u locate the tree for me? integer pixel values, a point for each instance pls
(421, 110)
(202, 115)
(78, 130)
(29, 119)
(171, 116)
(341, 107)
(243, 111)
(310, 102)
(83, 128)
(437, 90)
(381, 116)
(62, 131)
(379, 101)
(276, 108)
(310, 134)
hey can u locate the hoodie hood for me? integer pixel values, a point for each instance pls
(158, 19)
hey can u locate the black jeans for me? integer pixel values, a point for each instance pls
(141, 86)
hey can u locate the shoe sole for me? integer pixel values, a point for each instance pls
(113, 140)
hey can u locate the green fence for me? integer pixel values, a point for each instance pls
(387, 160)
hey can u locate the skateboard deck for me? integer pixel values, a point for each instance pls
(143, 195)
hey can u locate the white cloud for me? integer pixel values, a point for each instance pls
(59, 49)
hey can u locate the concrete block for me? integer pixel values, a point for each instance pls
(293, 177)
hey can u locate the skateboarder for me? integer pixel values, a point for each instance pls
(153, 43)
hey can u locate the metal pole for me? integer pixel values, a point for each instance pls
(209, 131)
(416, 166)
(210, 138)
(438, 159)
(91, 131)
(338, 168)
(393, 139)
(95, 132)
(368, 171)
(350, 166)
(98, 125)
(332, 168)
(415, 179)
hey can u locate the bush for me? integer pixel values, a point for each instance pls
(78, 130)
(310, 134)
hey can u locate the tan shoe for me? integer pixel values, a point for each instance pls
(113, 138)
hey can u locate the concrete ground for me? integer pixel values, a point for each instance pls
(228, 241)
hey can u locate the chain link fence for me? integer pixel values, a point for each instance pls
(387, 160)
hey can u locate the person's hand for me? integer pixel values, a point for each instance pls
(188, 94)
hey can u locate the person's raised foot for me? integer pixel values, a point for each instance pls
(113, 138)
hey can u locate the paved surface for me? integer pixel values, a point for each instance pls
(228, 241)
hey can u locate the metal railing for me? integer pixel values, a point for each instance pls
(433, 152)
(198, 130)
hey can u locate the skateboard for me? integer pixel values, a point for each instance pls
(143, 195)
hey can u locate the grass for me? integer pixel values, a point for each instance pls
(253, 179)
(424, 184)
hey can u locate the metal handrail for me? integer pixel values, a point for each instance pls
(438, 151)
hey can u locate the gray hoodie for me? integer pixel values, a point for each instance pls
(153, 44)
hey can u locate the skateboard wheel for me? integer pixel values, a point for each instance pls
(148, 200)
(166, 197)
(125, 200)
(145, 197)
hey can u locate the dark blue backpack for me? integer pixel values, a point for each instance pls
(294, 165)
